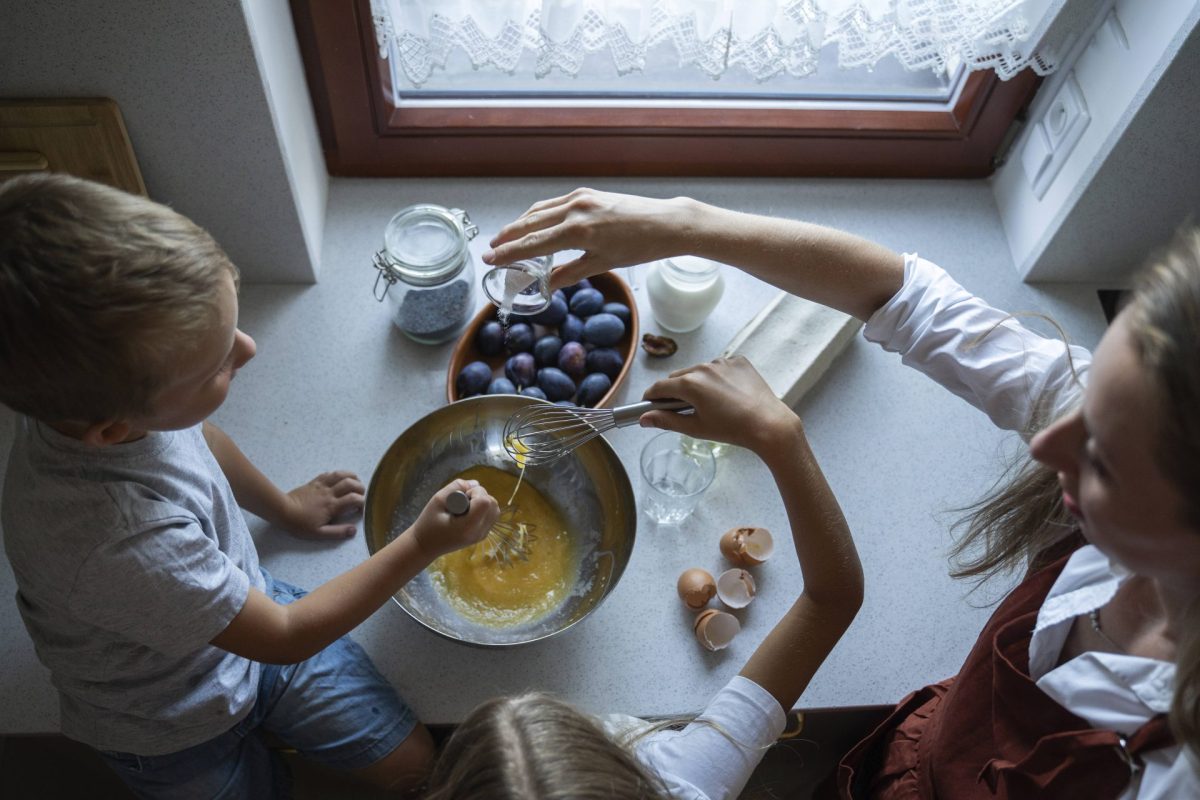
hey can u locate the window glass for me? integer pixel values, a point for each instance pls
(664, 79)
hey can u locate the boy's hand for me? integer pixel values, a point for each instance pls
(733, 404)
(438, 532)
(311, 508)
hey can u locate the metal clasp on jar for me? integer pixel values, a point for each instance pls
(384, 265)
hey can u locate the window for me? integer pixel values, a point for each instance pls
(890, 124)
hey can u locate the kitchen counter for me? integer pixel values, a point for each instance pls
(334, 383)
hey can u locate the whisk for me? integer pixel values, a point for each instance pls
(541, 434)
(508, 540)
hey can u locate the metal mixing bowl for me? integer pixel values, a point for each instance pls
(589, 488)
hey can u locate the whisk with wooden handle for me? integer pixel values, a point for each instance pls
(507, 539)
(540, 434)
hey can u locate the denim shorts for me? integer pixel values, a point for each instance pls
(334, 708)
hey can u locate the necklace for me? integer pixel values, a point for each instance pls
(1094, 616)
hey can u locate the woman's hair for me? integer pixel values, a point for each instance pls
(1165, 324)
(101, 294)
(1015, 524)
(536, 747)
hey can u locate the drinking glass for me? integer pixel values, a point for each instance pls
(522, 287)
(675, 479)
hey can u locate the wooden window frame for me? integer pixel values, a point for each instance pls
(363, 134)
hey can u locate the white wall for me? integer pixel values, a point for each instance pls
(1131, 179)
(204, 127)
(282, 70)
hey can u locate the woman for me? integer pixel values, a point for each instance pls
(1067, 691)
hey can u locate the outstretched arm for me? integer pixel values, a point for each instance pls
(822, 264)
(306, 511)
(734, 404)
(285, 634)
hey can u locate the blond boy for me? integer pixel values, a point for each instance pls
(137, 577)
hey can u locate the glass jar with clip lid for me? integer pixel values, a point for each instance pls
(426, 272)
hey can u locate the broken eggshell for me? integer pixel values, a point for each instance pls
(747, 546)
(736, 587)
(696, 587)
(715, 629)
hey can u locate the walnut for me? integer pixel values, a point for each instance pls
(660, 346)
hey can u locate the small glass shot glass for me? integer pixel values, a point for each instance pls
(522, 287)
(675, 478)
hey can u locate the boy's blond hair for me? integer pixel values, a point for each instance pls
(101, 293)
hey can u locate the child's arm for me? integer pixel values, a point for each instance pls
(734, 404)
(285, 634)
(825, 265)
(305, 511)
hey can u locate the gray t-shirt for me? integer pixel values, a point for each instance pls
(128, 560)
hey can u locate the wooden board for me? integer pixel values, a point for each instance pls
(83, 137)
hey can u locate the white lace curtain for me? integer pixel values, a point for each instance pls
(764, 37)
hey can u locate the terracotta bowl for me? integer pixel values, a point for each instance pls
(614, 289)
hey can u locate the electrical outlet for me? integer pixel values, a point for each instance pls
(1054, 135)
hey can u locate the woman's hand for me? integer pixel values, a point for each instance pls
(613, 230)
(733, 404)
(438, 532)
(309, 510)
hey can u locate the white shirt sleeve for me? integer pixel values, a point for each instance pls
(1020, 379)
(714, 756)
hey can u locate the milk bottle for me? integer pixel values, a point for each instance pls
(683, 291)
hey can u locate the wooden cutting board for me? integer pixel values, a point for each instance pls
(83, 137)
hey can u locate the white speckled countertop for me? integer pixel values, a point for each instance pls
(334, 383)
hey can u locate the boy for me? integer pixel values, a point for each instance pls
(137, 576)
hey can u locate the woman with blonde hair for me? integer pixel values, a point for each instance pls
(1086, 680)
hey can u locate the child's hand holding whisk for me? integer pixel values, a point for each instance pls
(732, 404)
(439, 530)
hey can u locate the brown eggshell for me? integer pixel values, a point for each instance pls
(747, 546)
(696, 587)
(715, 629)
(736, 587)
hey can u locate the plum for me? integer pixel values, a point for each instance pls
(556, 384)
(490, 338)
(586, 302)
(501, 386)
(545, 350)
(473, 379)
(554, 313)
(521, 369)
(569, 291)
(593, 387)
(533, 391)
(572, 359)
(620, 311)
(606, 360)
(603, 330)
(518, 338)
(571, 329)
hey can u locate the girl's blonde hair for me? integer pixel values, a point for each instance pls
(536, 747)
(1013, 527)
(101, 293)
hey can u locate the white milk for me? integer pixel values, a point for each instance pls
(684, 291)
